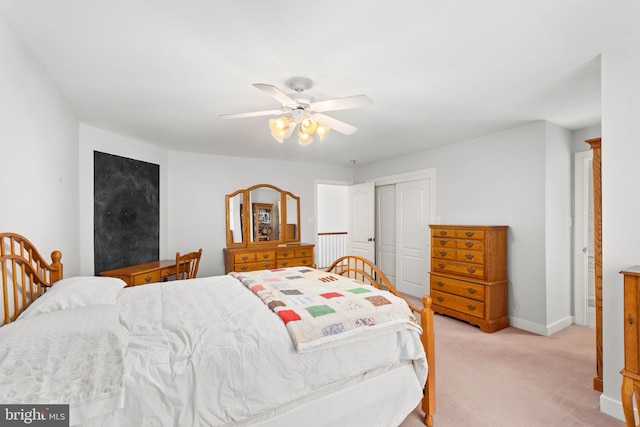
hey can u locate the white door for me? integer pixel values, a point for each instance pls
(413, 199)
(361, 229)
(386, 230)
(584, 299)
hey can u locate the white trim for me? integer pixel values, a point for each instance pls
(536, 328)
(611, 407)
(580, 236)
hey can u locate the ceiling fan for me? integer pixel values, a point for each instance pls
(303, 111)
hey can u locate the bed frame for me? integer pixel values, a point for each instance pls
(361, 269)
(25, 274)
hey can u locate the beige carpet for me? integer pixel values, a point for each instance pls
(513, 378)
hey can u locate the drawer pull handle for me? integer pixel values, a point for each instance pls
(304, 253)
(285, 254)
(443, 242)
(469, 233)
(440, 299)
(471, 270)
(285, 264)
(468, 256)
(244, 268)
(244, 258)
(630, 320)
(147, 279)
(443, 253)
(441, 265)
(468, 244)
(443, 233)
(265, 256)
(471, 291)
(471, 307)
(304, 261)
(440, 283)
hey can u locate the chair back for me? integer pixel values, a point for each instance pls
(187, 265)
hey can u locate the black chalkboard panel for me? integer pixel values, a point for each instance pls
(126, 211)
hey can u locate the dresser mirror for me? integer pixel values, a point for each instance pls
(262, 214)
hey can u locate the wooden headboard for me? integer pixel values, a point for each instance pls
(24, 274)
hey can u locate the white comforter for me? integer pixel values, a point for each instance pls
(207, 352)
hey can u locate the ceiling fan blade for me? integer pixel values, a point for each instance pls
(276, 93)
(252, 114)
(335, 124)
(357, 101)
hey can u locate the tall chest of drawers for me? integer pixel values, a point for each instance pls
(468, 278)
(266, 257)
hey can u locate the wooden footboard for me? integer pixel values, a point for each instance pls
(362, 269)
(25, 274)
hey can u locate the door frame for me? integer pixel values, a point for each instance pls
(417, 175)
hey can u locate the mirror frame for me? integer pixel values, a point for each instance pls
(247, 205)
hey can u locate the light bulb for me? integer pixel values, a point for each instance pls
(322, 131)
(308, 125)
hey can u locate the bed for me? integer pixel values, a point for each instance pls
(213, 351)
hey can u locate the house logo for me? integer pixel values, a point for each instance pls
(34, 415)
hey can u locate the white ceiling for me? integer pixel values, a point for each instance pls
(162, 71)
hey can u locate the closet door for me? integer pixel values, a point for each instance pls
(386, 230)
(413, 200)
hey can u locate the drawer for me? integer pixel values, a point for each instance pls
(454, 302)
(286, 254)
(304, 252)
(143, 279)
(442, 232)
(457, 287)
(474, 245)
(167, 272)
(462, 268)
(253, 266)
(295, 262)
(265, 256)
(443, 243)
(470, 234)
(244, 257)
(470, 256)
(443, 252)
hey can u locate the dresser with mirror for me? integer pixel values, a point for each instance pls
(263, 230)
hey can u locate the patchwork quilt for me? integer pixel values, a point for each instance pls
(321, 308)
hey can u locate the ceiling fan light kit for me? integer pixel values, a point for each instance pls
(303, 111)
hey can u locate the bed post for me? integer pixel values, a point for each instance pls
(429, 399)
(56, 267)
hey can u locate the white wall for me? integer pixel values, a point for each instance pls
(502, 179)
(558, 227)
(333, 201)
(197, 186)
(39, 155)
(620, 204)
(95, 139)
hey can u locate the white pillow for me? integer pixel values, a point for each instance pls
(82, 291)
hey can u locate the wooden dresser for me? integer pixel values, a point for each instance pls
(631, 371)
(468, 278)
(263, 257)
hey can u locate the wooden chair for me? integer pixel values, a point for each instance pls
(187, 265)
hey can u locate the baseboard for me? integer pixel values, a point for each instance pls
(611, 407)
(536, 328)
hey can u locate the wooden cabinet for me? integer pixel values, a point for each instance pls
(631, 371)
(265, 257)
(468, 278)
